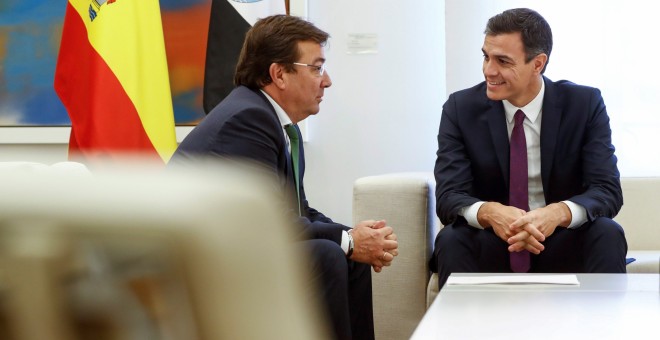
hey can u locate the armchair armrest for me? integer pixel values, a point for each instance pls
(407, 202)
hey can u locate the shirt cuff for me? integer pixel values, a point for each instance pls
(344, 241)
(470, 214)
(578, 213)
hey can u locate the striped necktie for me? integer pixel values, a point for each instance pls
(518, 191)
(294, 138)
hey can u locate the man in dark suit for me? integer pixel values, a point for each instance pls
(280, 80)
(570, 182)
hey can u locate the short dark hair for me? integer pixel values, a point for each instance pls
(273, 39)
(535, 31)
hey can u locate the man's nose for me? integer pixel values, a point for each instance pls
(489, 69)
(327, 82)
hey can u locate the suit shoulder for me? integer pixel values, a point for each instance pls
(242, 98)
(242, 104)
(476, 91)
(470, 99)
(243, 112)
(569, 87)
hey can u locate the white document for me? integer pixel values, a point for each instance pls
(563, 279)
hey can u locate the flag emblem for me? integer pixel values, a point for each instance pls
(97, 3)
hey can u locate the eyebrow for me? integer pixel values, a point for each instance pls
(499, 56)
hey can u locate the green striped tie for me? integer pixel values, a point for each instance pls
(295, 156)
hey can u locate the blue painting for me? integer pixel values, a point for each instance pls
(30, 33)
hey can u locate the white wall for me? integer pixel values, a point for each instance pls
(41, 153)
(608, 44)
(382, 112)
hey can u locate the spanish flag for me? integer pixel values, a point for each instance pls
(112, 78)
(230, 20)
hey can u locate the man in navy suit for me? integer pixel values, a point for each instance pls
(572, 184)
(280, 80)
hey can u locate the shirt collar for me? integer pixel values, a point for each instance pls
(281, 115)
(532, 110)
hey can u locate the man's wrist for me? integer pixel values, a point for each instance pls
(578, 214)
(351, 244)
(471, 214)
(344, 241)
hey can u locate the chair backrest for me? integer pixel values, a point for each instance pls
(636, 216)
(141, 253)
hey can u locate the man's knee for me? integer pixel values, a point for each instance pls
(607, 230)
(454, 247)
(444, 243)
(451, 236)
(328, 258)
(606, 248)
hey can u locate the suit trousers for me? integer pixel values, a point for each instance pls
(598, 246)
(345, 287)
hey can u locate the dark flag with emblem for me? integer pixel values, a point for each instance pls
(230, 20)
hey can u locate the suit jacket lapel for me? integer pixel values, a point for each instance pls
(500, 136)
(549, 129)
(290, 181)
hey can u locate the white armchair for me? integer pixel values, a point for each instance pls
(403, 291)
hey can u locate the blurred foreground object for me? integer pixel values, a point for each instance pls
(140, 253)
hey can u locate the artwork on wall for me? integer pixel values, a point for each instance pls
(30, 33)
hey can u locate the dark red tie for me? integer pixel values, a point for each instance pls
(518, 183)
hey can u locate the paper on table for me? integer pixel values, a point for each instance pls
(513, 279)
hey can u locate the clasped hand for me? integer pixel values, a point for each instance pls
(524, 230)
(375, 244)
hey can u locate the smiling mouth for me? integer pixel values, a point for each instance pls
(495, 83)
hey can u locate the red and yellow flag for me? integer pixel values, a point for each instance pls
(112, 78)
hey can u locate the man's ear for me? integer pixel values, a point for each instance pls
(540, 61)
(276, 72)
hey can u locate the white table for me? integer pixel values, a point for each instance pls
(603, 306)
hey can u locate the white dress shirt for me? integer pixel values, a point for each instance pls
(532, 126)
